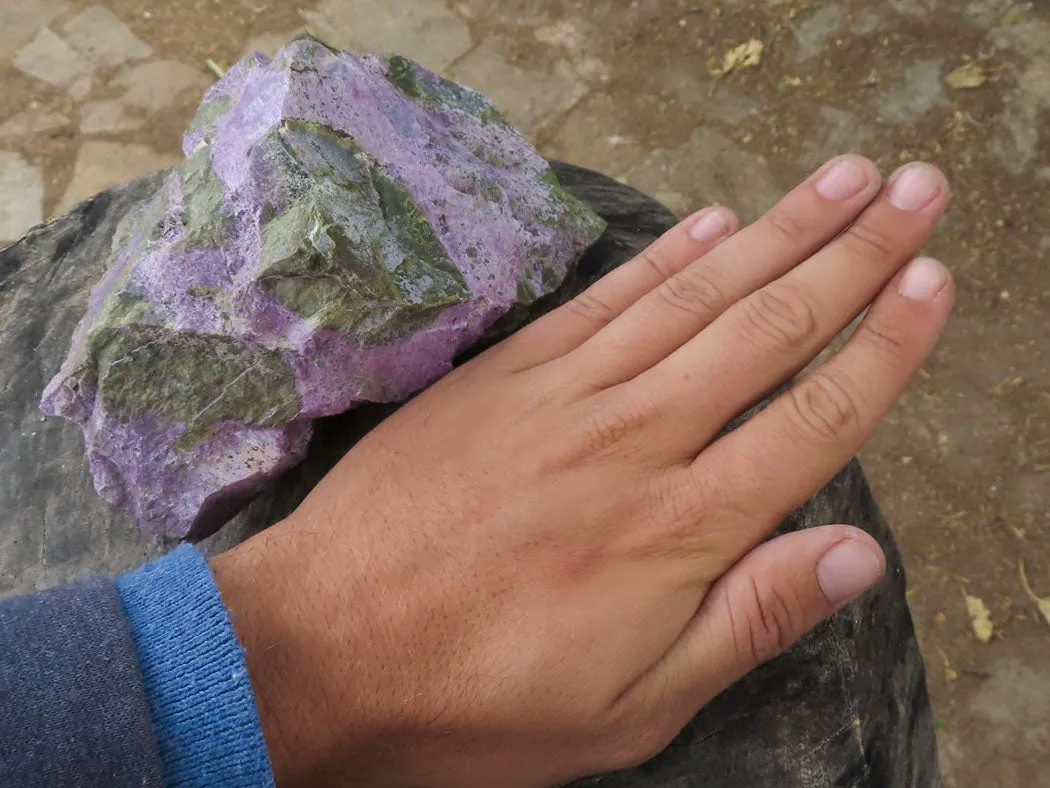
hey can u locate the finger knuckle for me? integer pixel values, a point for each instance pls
(686, 497)
(887, 341)
(772, 625)
(789, 226)
(670, 532)
(656, 260)
(780, 318)
(603, 428)
(823, 408)
(591, 308)
(872, 242)
(606, 429)
(695, 293)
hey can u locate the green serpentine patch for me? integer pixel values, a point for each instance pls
(193, 379)
(311, 264)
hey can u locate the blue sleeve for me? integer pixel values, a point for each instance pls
(73, 707)
(204, 717)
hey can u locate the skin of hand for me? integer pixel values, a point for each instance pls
(543, 566)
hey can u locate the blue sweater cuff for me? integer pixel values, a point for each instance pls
(204, 715)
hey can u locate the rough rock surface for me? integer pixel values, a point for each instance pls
(343, 226)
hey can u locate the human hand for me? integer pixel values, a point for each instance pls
(543, 566)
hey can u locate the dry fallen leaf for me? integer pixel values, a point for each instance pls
(949, 672)
(872, 80)
(1043, 603)
(1008, 386)
(215, 68)
(747, 55)
(967, 77)
(980, 618)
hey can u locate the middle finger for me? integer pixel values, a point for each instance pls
(767, 337)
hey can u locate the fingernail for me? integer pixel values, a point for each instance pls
(842, 181)
(847, 569)
(923, 279)
(914, 188)
(709, 227)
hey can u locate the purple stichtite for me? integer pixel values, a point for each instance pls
(343, 226)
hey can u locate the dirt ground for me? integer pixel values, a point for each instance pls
(94, 95)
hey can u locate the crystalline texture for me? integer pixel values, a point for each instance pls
(341, 228)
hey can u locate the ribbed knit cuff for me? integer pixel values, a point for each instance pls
(204, 714)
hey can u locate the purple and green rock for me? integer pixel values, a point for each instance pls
(343, 226)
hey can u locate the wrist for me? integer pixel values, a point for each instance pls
(327, 658)
(264, 588)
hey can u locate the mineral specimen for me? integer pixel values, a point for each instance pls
(341, 228)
